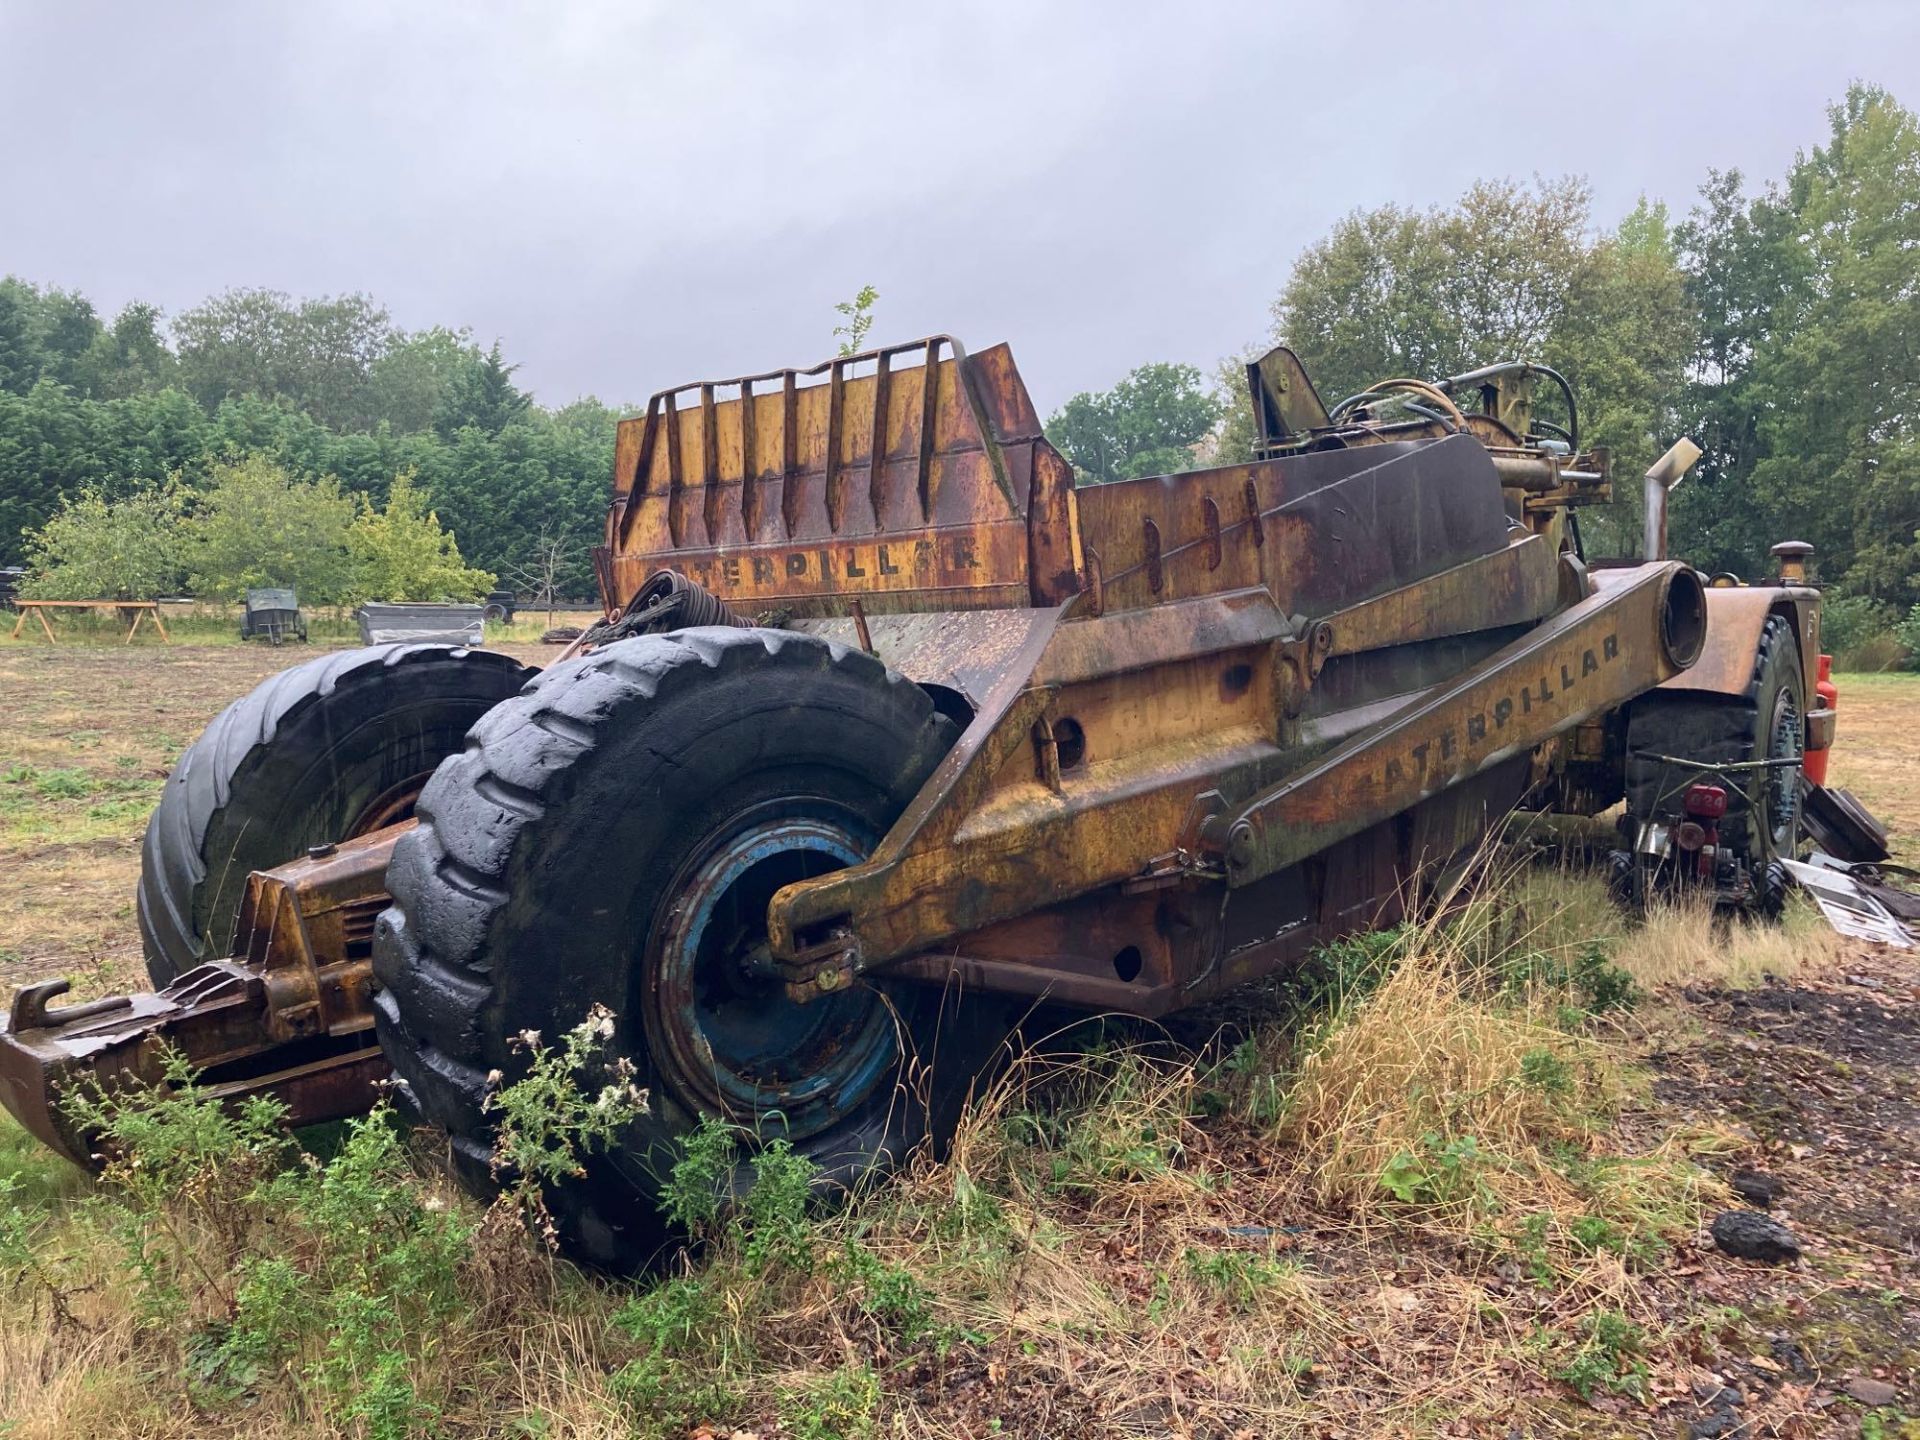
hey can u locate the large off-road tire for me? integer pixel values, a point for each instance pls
(319, 753)
(613, 836)
(1762, 823)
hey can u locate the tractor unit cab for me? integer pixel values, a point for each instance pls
(890, 729)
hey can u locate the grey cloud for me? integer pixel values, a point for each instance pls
(632, 195)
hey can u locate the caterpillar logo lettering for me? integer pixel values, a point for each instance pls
(1485, 729)
(938, 562)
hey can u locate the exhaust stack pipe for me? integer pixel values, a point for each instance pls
(1661, 478)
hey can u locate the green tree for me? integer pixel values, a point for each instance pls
(1624, 339)
(317, 355)
(411, 383)
(1806, 388)
(1508, 272)
(1746, 273)
(93, 548)
(128, 358)
(857, 314)
(498, 492)
(322, 389)
(20, 355)
(1393, 292)
(1148, 424)
(151, 435)
(399, 551)
(258, 525)
(68, 330)
(482, 395)
(50, 448)
(1842, 434)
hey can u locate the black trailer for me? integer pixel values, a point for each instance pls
(273, 615)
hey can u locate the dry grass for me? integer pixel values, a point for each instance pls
(1140, 1239)
(1559, 912)
(1424, 1065)
(1683, 942)
(532, 1348)
(88, 733)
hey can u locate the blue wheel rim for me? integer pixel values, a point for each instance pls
(725, 1034)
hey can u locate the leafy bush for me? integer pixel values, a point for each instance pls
(1591, 975)
(890, 1294)
(266, 1262)
(253, 523)
(1876, 654)
(697, 1329)
(1438, 1174)
(774, 1214)
(841, 1405)
(547, 1120)
(1546, 1071)
(93, 548)
(768, 1226)
(681, 1378)
(344, 1282)
(1849, 621)
(1346, 971)
(257, 524)
(1907, 633)
(399, 551)
(701, 1182)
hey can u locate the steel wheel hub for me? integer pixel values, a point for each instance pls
(724, 1032)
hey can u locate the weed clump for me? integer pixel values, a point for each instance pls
(1608, 1359)
(1436, 1098)
(253, 1273)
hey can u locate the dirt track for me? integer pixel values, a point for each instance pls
(1820, 1080)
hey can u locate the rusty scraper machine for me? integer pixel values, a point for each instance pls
(892, 731)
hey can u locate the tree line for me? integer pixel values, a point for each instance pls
(1778, 325)
(97, 413)
(253, 525)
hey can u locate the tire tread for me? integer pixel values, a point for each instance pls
(173, 866)
(431, 958)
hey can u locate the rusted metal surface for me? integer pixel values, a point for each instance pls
(914, 485)
(1589, 659)
(1514, 586)
(1186, 738)
(1736, 614)
(290, 1016)
(1320, 531)
(1171, 695)
(1285, 404)
(965, 651)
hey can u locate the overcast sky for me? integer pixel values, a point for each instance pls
(632, 194)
